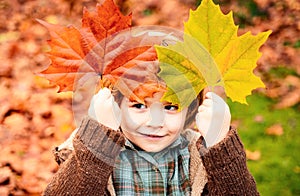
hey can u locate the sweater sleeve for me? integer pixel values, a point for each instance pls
(225, 164)
(87, 169)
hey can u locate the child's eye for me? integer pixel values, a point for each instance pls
(171, 107)
(139, 106)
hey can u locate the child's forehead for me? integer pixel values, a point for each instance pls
(156, 97)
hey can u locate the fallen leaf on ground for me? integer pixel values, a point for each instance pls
(275, 129)
(259, 118)
(5, 174)
(289, 100)
(253, 155)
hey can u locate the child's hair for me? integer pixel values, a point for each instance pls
(192, 109)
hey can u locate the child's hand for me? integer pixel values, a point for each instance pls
(105, 110)
(213, 119)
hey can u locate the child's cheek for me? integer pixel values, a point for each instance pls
(175, 123)
(133, 119)
(139, 118)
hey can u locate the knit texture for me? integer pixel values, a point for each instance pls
(226, 167)
(61, 155)
(198, 175)
(87, 170)
(102, 141)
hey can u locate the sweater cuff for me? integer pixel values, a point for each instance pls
(101, 141)
(225, 152)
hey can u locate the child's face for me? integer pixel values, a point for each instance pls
(153, 126)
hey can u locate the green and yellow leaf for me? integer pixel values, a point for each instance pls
(211, 54)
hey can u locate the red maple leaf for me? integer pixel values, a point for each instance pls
(103, 48)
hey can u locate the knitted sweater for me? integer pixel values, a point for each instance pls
(86, 170)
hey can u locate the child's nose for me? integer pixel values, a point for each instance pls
(156, 118)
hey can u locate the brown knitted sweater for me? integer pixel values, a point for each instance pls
(87, 169)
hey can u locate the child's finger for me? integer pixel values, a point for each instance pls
(103, 94)
(207, 102)
(206, 90)
(209, 95)
(217, 99)
(201, 108)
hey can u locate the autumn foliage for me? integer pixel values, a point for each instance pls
(34, 118)
(97, 50)
(101, 50)
(72, 48)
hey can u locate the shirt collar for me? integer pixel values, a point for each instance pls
(180, 142)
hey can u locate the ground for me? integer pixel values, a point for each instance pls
(34, 118)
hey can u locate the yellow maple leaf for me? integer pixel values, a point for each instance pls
(232, 57)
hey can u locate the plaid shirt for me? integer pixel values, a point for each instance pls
(162, 173)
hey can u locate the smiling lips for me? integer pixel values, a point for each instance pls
(153, 136)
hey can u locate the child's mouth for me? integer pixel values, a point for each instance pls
(153, 136)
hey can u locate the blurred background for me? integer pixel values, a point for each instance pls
(34, 118)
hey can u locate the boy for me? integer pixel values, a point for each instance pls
(134, 148)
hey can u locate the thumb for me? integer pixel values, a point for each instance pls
(103, 94)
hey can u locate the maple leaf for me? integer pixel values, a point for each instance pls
(187, 68)
(211, 54)
(66, 55)
(105, 52)
(107, 20)
(75, 52)
(137, 78)
(131, 73)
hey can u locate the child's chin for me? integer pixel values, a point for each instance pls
(154, 149)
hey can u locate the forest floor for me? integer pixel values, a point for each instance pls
(34, 118)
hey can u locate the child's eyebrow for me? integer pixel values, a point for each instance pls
(133, 101)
